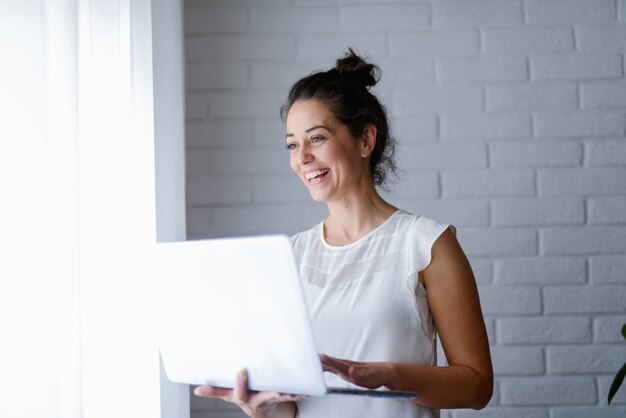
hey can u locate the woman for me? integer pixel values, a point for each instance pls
(381, 283)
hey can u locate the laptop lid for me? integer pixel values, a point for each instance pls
(236, 303)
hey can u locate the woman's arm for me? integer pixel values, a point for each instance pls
(453, 300)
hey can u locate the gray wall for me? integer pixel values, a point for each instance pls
(511, 121)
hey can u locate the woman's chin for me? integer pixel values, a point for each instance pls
(318, 197)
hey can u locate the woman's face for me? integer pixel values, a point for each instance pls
(323, 153)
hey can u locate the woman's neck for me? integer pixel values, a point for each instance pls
(355, 216)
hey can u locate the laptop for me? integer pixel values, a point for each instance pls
(234, 303)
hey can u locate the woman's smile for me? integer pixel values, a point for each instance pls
(316, 176)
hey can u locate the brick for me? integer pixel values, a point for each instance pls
(477, 14)
(605, 152)
(535, 153)
(510, 300)
(538, 211)
(482, 69)
(420, 185)
(269, 133)
(195, 106)
(197, 161)
(216, 76)
(250, 161)
(576, 67)
(197, 222)
(543, 330)
(540, 270)
(498, 242)
(517, 361)
(583, 240)
(434, 44)
(281, 76)
(605, 38)
(194, 48)
(274, 189)
(579, 124)
(584, 299)
(436, 99)
(459, 212)
(242, 47)
(215, 19)
(414, 129)
(604, 383)
(531, 96)
(483, 273)
(490, 325)
(249, 104)
(217, 133)
(482, 183)
(586, 412)
(267, 219)
(570, 11)
(210, 190)
(528, 39)
(293, 19)
(603, 96)
(407, 72)
(388, 17)
(607, 269)
(584, 359)
(608, 329)
(439, 155)
(482, 127)
(548, 391)
(499, 412)
(607, 210)
(332, 46)
(591, 180)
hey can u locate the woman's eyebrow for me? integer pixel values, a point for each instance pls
(306, 131)
(315, 127)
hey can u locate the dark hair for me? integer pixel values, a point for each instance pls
(345, 89)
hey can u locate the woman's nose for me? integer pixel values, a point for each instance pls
(305, 156)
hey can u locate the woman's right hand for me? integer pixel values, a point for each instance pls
(254, 404)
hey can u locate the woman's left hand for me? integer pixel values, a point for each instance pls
(368, 375)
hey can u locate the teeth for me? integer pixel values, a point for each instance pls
(316, 173)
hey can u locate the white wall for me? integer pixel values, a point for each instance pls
(511, 121)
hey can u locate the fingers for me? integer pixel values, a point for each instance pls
(337, 366)
(335, 360)
(239, 394)
(359, 373)
(240, 391)
(265, 399)
(249, 401)
(213, 392)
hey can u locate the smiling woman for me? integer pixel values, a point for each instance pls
(381, 284)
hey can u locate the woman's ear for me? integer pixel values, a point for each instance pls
(368, 140)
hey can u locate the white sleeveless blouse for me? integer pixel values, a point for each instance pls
(367, 304)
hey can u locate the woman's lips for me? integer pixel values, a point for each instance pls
(316, 176)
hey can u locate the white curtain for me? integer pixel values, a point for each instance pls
(77, 210)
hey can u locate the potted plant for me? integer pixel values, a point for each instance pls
(619, 377)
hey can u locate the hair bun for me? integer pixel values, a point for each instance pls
(352, 65)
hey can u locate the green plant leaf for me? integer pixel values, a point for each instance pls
(624, 331)
(617, 382)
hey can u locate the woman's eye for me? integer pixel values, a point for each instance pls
(290, 146)
(317, 139)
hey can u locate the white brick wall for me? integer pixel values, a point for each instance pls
(511, 122)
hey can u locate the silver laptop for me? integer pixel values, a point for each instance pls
(234, 303)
